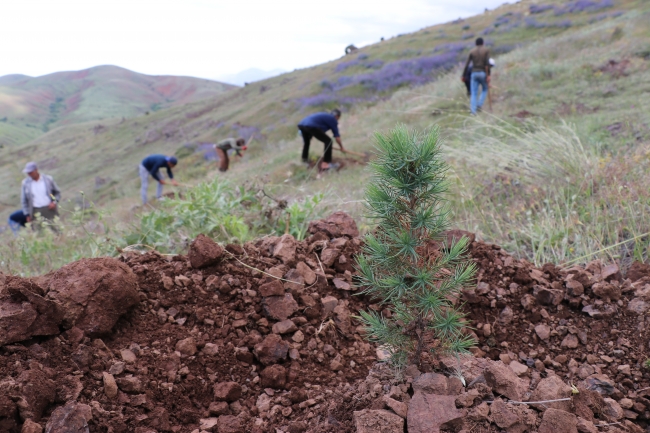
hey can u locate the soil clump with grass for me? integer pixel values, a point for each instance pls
(261, 337)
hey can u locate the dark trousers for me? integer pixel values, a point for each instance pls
(307, 133)
(45, 213)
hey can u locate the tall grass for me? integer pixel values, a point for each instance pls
(538, 191)
(82, 233)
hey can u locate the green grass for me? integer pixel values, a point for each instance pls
(227, 213)
(567, 183)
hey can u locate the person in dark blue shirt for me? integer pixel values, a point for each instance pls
(316, 125)
(17, 220)
(151, 165)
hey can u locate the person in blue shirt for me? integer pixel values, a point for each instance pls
(151, 165)
(17, 220)
(316, 125)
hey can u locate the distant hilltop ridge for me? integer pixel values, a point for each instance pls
(30, 106)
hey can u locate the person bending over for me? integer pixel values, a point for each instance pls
(17, 220)
(222, 148)
(316, 125)
(151, 165)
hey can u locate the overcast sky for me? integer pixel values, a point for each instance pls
(204, 38)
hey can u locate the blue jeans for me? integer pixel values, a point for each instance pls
(14, 226)
(144, 178)
(478, 78)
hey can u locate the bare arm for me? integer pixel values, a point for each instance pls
(338, 140)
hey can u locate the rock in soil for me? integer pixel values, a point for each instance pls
(378, 421)
(204, 252)
(71, 418)
(558, 421)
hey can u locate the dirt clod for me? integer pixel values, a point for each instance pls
(204, 252)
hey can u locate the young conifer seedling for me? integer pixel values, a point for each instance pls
(406, 199)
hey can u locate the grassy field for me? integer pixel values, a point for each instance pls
(554, 172)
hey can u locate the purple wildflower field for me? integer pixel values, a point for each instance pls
(604, 16)
(503, 20)
(510, 27)
(533, 23)
(573, 7)
(577, 6)
(452, 47)
(345, 65)
(245, 132)
(374, 64)
(538, 9)
(412, 72)
(207, 149)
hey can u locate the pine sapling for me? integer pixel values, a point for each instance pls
(405, 197)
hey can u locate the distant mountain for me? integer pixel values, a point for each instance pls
(30, 106)
(249, 76)
(7, 80)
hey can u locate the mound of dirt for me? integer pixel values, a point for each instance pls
(263, 339)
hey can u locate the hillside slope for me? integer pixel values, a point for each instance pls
(552, 67)
(34, 105)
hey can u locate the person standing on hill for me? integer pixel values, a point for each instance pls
(480, 59)
(316, 125)
(151, 165)
(39, 194)
(222, 148)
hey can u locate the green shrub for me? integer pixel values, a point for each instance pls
(405, 197)
(223, 212)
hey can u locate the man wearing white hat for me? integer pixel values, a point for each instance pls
(39, 194)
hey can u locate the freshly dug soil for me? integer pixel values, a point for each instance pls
(265, 340)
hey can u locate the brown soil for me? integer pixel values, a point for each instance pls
(195, 329)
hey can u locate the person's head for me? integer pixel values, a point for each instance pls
(172, 161)
(31, 170)
(336, 113)
(479, 41)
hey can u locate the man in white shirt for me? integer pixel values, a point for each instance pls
(39, 194)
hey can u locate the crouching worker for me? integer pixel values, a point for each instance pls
(316, 125)
(17, 220)
(222, 148)
(151, 165)
(39, 195)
